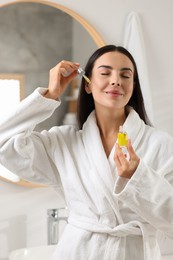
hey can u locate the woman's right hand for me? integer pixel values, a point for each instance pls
(59, 78)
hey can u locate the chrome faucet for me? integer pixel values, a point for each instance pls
(54, 217)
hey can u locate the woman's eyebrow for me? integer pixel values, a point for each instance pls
(122, 69)
(109, 67)
(105, 66)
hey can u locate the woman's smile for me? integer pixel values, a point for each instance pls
(114, 93)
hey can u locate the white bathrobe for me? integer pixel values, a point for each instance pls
(111, 218)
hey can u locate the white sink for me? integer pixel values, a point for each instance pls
(33, 253)
(44, 253)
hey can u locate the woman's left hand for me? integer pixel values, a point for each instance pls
(126, 168)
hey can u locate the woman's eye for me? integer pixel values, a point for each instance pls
(104, 73)
(125, 76)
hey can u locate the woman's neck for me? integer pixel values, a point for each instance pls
(109, 122)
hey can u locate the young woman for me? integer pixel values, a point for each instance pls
(116, 204)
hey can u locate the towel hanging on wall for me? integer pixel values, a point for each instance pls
(134, 43)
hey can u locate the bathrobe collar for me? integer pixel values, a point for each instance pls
(93, 144)
(134, 127)
(95, 150)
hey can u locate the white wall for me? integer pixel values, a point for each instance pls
(21, 205)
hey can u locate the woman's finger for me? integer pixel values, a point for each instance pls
(133, 155)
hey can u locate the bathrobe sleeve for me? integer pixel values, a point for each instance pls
(149, 192)
(25, 152)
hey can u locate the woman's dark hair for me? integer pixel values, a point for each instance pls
(85, 101)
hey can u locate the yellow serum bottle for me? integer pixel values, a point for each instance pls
(122, 140)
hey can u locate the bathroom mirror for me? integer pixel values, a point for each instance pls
(35, 36)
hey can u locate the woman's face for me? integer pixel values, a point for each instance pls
(112, 80)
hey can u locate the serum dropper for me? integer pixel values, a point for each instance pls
(81, 72)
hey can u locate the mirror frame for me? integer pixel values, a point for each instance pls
(89, 28)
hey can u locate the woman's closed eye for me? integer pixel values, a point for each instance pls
(126, 75)
(104, 73)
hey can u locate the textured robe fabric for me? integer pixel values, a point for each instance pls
(110, 218)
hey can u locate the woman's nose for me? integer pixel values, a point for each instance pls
(115, 80)
(115, 84)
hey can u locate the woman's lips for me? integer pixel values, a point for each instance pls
(113, 93)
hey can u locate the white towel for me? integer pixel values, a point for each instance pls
(134, 43)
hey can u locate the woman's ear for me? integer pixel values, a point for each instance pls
(88, 88)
